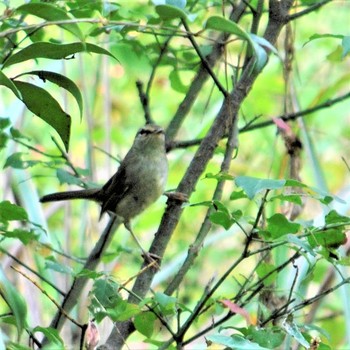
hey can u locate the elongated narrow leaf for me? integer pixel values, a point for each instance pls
(51, 13)
(170, 12)
(53, 51)
(225, 25)
(63, 82)
(5, 81)
(42, 104)
(15, 302)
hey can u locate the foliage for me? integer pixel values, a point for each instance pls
(258, 219)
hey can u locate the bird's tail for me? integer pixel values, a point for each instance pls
(92, 194)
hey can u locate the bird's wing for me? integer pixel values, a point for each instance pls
(114, 190)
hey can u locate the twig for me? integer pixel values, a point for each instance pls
(33, 271)
(79, 282)
(144, 102)
(310, 9)
(50, 298)
(65, 156)
(203, 60)
(293, 116)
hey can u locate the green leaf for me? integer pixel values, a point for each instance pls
(52, 335)
(62, 82)
(237, 195)
(5, 81)
(270, 338)
(105, 291)
(42, 104)
(15, 161)
(322, 36)
(301, 243)
(176, 82)
(166, 303)
(123, 311)
(253, 185)
(52, 264)
(346, 46)
(292, 329)
(145, 323)
(177, 3)
(4, 123)
(14, 300)
(23, 235)
(66, 177)
(234, 342)
(9, 212)
(328, 238)
(166, 12)
(278, 225)
(221, 218)
(225, 25)
(334, 218)
(53, 51)
(51, 13)
(263, 270)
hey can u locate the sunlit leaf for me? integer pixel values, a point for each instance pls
(53, 51)
(52, 335)
(234, 342)
(5, 81)
(145, 323)
(51, 12)
(253, 185)
(278, 225)
(9, 212)
(268, 270)
(166, 12)
(42, 104)
(61, 81)
(292, 329)
(14, 300)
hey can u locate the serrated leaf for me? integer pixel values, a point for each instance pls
(23, 235)
(65, 177)
(5, 81)
(166, 12)
(15, 161)
(9, 212)
(53, 51)
(145, 323)
(253, 185)
(62, 82)
(42, 104)
(51, 12)
(14, 300)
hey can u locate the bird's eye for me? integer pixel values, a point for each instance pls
(145, 132)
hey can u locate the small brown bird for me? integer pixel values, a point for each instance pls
(139, 181)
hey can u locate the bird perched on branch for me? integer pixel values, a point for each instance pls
(139, 181)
